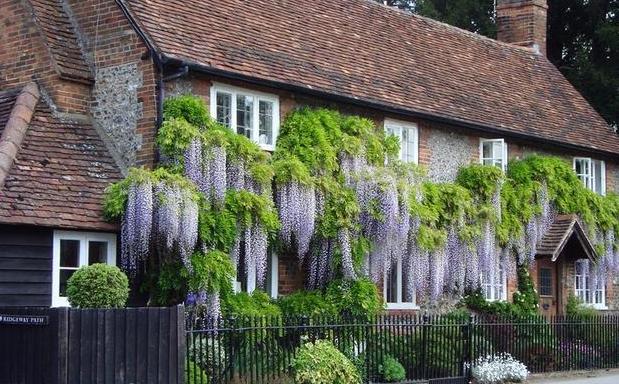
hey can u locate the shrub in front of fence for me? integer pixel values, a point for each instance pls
(391, 370)
(98, 286)
(208, 353)
(495, 369)
(321, 362)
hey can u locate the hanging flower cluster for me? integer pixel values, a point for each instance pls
(160, 215)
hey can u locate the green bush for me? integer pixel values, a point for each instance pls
(191, 108)
(575, 308)
(356, 298)
(306, 303)
(242, 304)
(391, 370)
(322, 363)
(98, 286)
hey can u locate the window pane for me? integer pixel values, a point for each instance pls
(497, 150)
(97, 252)
(597, 181)
(265, 134)
(244, 115)
(70, 253)
(64, 276)
(487, 150)
(224, 110)
(412, 147)
(578, 167)
(545, 282)
(391, 294)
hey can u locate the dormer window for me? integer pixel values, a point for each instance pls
(407, 134)
(493, 152)
(249, 113)
(592, 173)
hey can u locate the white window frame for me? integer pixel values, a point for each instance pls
(504, 160)
(257, 96)
(83, 238)
(589, 179)
(400, 304)
(398, 126)
(272, 290)
(492, 285)
(585, 291)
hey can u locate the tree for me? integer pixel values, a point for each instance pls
(473, 15)
(583, 40)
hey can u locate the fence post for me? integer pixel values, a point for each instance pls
(467, 364)
(235, 342)
(424, 346)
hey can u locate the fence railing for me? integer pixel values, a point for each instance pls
(260, 350)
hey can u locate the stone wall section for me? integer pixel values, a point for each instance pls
(123, 103)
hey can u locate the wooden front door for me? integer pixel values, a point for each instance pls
(548, 287)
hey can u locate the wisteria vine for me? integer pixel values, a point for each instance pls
(346, 207)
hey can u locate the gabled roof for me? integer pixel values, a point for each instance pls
(61, 39)
(559, 233)
(58, 171)
(362, 51)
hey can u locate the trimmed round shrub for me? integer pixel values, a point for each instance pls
(391, 370)
(322, 363)
(98, 286)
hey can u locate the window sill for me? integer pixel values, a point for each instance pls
(409, 306)
(599, 307)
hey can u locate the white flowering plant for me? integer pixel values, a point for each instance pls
(499, 368)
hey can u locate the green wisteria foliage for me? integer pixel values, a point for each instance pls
(335, 194)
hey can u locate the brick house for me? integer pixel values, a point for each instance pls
(453, 97)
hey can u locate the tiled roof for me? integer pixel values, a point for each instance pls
(7, 100)
(61, 39)
(359, 49)
(559, 233)
(59, 176)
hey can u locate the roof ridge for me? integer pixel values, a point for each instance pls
(517, 48)
(16, 127)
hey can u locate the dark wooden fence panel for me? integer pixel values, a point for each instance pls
(98, 346)
(118, 346)
(28, 353)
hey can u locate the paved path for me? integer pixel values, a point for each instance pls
(598, 379)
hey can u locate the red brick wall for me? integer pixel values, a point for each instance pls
(111, 41)
(291, 275)
(24, 57)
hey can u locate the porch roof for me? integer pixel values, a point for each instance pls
(560, 232)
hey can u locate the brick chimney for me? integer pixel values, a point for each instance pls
(522, 22)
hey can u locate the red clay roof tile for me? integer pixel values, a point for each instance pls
(59, 176)
(61, 39)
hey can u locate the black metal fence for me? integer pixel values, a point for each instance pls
(260, 350)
